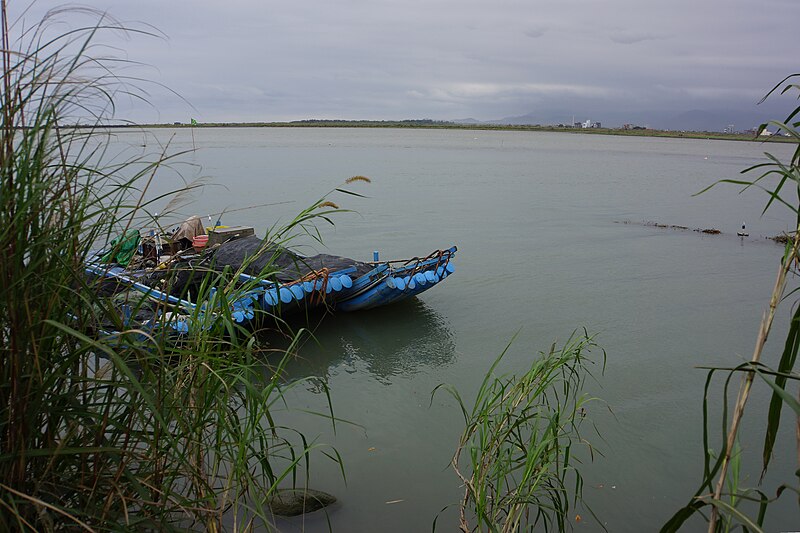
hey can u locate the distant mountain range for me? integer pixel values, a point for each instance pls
(693, 120)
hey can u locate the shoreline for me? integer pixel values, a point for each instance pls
(467, 127)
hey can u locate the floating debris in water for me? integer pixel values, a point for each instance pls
(783, 238)
(707, 231)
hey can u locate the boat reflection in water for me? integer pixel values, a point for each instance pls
(398, 340)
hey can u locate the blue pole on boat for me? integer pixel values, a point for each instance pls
(247, 277)
(141, 287)
(375, 256)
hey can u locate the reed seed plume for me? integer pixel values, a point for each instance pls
(358, 178)
(183, 196)
(328, 203)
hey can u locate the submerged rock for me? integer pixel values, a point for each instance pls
(293, 502)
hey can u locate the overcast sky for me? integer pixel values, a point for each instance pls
(265, 60)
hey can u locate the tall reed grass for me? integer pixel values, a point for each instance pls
(130, 431)
(516, 456)
(730, 502)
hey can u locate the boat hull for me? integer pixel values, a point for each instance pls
(343, 291)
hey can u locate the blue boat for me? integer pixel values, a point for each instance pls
(295, 283)
(394, 281)
(337, 283)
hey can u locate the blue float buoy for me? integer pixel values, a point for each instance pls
(308, 286)
(335, 283)
(318, 284)
(410, 283)
(430, 276)
(390, 282)
(346, 280)
(270, 298)
(419, 277)
(285, 295)
(297, 291)
(400, 283)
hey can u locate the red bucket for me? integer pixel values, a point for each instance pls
(199, 242)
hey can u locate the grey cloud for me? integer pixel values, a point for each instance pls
(262, 60)
(535, 33)
(633, 37)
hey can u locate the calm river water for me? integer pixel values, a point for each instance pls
(543, 250)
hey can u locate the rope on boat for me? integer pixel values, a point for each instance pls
(318, 294)
(420, 268)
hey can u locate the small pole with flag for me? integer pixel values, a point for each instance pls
(193, 124)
